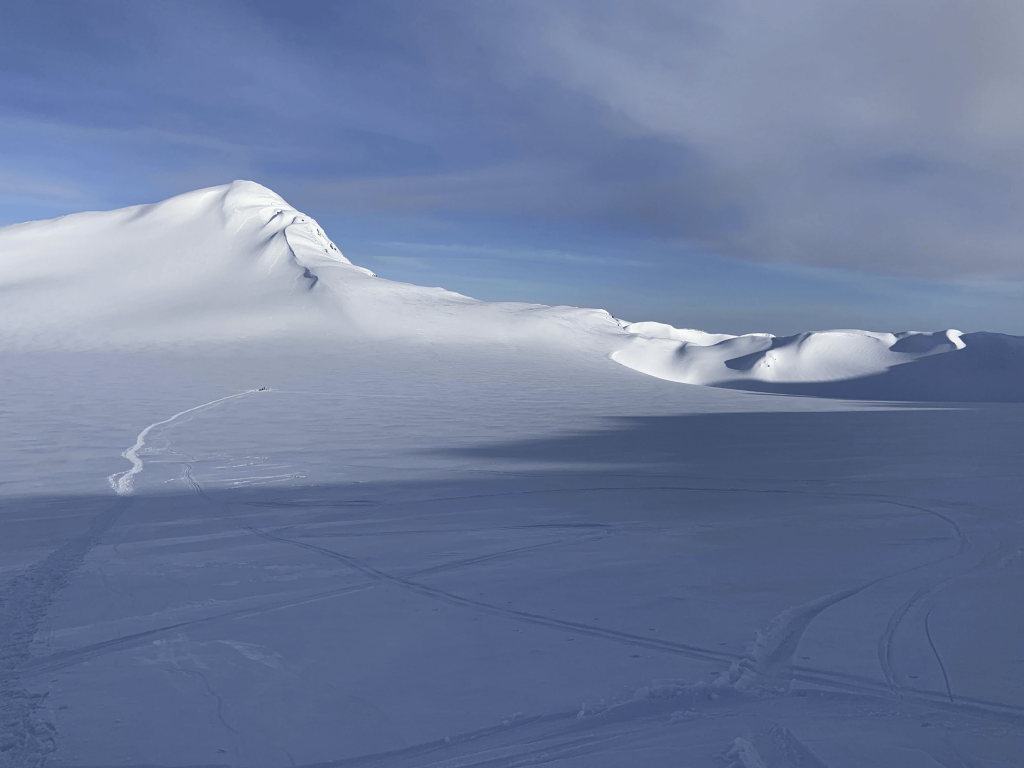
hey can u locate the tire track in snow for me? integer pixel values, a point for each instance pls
(122, 483)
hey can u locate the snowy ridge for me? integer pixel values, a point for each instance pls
(236, 263)
(912, 365)
(695, 357)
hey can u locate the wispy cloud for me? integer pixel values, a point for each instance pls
(836, 138)
(38, 187)
(509, 254)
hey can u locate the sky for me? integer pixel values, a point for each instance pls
(732, 166)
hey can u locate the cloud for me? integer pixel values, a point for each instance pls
(881, 136)
(450, 252)
(35, 187)
(878, 135)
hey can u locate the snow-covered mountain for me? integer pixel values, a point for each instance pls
(224, 264)
(237, 263)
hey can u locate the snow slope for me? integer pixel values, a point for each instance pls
(945, 365)
(237, 263)
(224, 264)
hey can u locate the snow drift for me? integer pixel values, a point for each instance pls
(236, 263)
(945, 365)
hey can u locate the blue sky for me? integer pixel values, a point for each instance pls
(733, 166)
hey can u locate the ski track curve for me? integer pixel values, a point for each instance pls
(25, 600)
(886, 641)
(839, 681)
(378, 575)
(896, 621)
(938, 656)
(835, 680)
(122, 483)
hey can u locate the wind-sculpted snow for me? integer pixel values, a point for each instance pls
(945, 365)
(237, 264)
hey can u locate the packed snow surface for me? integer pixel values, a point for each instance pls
(261, 508)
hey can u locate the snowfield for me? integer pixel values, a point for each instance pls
(457, 533)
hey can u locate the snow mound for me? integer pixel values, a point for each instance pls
(236, 263)
(944, 365)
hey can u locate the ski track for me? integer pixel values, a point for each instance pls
(522, 616)
(71, 657)
(886, 640)
(423, 589)
(938, 657)
(25, 600)
(896, 621)
(840, 681)
(122, 483)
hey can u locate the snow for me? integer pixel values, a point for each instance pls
(122, 483)
(912, 365)
(237, 263)
(453, 533)
(226, 264)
